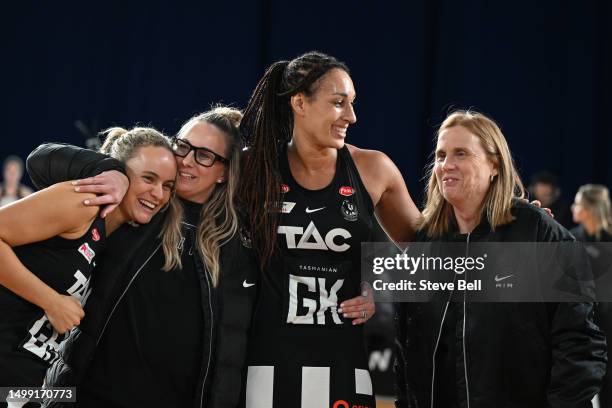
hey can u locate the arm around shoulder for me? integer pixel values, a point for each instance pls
(52, 163)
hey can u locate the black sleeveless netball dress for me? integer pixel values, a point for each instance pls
(302, 352)
(28, 342)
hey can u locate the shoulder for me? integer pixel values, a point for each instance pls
(66, 191)
(524, 210)
(375, 167)
(61, 196)
(55, 210)
(531, 217)
(71, 204)
(368, 158)
(68, 206)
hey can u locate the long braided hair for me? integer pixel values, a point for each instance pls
(267, 126)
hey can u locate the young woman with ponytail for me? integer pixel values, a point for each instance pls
(49, 244)
(311, 201)
(171, 338)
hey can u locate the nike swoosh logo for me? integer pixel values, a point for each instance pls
(308, 211)
(498, 279)
(245, 284)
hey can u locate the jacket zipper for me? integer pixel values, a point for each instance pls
(433, 359)
(433, 376)
(467, 383)
(123, 294)
(210, 351)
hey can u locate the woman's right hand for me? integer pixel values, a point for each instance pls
(64, 313)
(110, 186)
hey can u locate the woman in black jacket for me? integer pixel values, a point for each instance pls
(481, 355)
(141, 327)
(149, 330)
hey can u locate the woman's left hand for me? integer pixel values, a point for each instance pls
(359, 308)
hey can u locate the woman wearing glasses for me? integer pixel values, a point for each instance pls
(148, 338)
(158, 331)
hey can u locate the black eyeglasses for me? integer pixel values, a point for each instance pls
(202, 155)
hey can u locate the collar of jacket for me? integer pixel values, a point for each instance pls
(482, 229)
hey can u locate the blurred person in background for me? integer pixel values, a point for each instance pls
(592, 212)
(11, 188)
(544, 187)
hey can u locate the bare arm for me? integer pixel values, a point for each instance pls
(396, 212)
(394, 208)
(56, 210)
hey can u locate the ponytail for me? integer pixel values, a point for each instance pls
(267, 125)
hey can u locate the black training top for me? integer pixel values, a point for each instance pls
(151, 351)
(28, 342)
(302, 351)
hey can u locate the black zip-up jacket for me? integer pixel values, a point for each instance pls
(228, 308)
(516, 354)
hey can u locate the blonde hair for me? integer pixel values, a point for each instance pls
(596, 199)
(504, 187)
(122, 145)
(219, 218)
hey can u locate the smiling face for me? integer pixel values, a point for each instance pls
(463, 169)
(325, 116)
(152, 174)
(195, 181)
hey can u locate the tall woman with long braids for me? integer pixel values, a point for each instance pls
(311, 199)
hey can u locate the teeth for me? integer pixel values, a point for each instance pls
(186, 175)
(147, 204)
